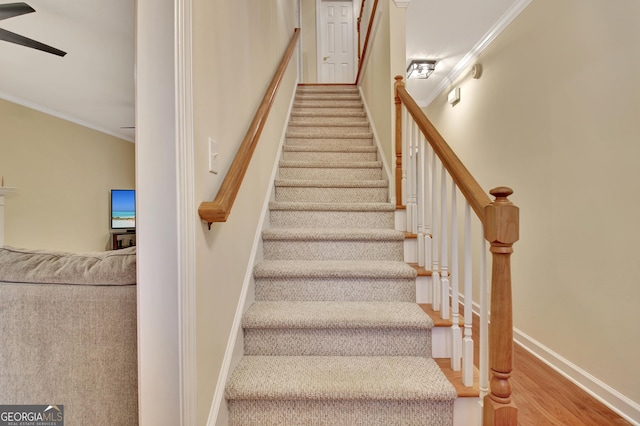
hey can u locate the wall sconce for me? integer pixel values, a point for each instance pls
(421, 68)
(476, 71)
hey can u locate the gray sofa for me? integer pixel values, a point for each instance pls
(68, 333)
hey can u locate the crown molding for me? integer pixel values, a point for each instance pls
(473, 54)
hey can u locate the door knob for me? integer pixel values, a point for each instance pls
(325, 58)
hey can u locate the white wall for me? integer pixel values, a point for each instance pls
(157, 223)
(555, 117)
(237, 48)
(63, 173)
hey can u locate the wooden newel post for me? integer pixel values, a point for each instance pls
(398, 137)
(501, 231)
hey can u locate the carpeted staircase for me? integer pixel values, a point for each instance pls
(335, 336)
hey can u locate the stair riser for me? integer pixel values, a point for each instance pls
(331, 195)
(325, 173)
(340, 412)
(322, 110)
(325, 289)
(329, 103)
(324, 219)
(314, 120)
(337, 342)
(328, 97)
(327, 89)
(329, 157)
(324, 129)
(332, 250)
(329, 142)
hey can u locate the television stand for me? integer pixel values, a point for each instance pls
(123, 239)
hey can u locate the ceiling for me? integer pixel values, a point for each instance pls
(93, 84)
(452, 32)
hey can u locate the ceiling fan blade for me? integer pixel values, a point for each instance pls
(10, 10)
(24, 41)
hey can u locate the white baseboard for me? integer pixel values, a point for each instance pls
(625, 407)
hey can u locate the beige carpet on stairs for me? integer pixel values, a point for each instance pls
(334, 336)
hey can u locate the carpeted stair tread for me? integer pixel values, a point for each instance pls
(333, 269)
(331, 207)
(336, 135)
(322, 148)
(327, 124)
(336, 97)
(336, 314)
(327, 104)
(330, 153)
(331, 378)
(332, 183)
(323, 234)
(328, 113)
(325, 165)
(323, 88)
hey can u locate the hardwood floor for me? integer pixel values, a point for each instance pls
(545, 398)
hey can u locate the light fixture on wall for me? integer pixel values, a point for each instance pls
(454, 96)
(421, 68)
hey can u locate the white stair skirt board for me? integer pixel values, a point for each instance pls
(424, 292)
(411, 250)
(334, 335)
(441, 342)
(467, 412)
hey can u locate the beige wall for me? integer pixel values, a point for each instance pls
(63, 173)
(309, 42)
(555, 116)
(237, 47)
(376, 76)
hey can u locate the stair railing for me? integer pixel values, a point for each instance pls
(219, 209)
(358, 24)
(429, 177)
(363, 53)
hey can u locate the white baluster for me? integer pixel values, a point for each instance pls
(467, 343)
(444, 248)
(416, 176)
(456, 332)
(405, 159)
(421, 200)
(435, 232)
(428, 222)
(484, 318)
(411, 178)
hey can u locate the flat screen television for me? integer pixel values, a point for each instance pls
(123, 209)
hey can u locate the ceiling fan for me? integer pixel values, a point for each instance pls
(11, 10)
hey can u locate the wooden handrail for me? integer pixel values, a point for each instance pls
(500, 219)
(477, 197)
(359, 21)
(219, 209)
(366, 40)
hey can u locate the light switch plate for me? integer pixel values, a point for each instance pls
(213, 156)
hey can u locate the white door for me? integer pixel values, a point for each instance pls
(335, 42)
